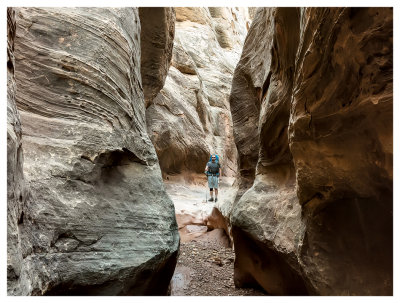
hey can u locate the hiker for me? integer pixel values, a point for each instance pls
(213, 171)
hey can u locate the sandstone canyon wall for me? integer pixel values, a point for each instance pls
(156, 40)
(312, 109)
(17, 188)
(109, 98)
(190, 117)
(99, 221)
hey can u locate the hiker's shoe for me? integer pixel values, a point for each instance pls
(211, 199)
(216, 199)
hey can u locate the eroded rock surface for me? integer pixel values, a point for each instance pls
(156, 40)
(312, 106)
(101, 222)
(17, 189)
(190, 117)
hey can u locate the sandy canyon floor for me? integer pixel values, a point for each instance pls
(206, 260)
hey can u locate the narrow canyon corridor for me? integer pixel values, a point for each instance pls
(205, 268)
(206, 257)
(114, 112)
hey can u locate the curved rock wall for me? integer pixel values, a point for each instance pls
(156, 40)
(190, 117)
(307, 126)
(317, 84)
(341, 139)
(101, 222)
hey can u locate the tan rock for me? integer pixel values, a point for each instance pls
(156, 40)
(190, 118)
(311, 104)
(198, 15)
(101, 221)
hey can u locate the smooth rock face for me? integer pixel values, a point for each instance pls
(317, 219)
(101, 222)
(190, 118)
(156, 40)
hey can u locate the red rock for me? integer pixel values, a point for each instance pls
(312, 108)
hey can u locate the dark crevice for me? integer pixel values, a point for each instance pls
(117, 158)
(266, 86)
(257, 265)
(21, 218)
(282, 131)
(10, 65)
(64, 235)
(317, 195)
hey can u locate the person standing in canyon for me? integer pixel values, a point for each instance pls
(213, 171)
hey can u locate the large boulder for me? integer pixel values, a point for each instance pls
(190, 117)
(101, 222)
(316, 86)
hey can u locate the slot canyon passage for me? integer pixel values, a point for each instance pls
(113, 113)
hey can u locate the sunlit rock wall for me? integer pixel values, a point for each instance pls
(191, 118)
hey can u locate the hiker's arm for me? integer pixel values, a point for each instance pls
(206, 169)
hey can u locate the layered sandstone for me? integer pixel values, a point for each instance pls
(312, 106)
(190, 118)
(100, 222)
